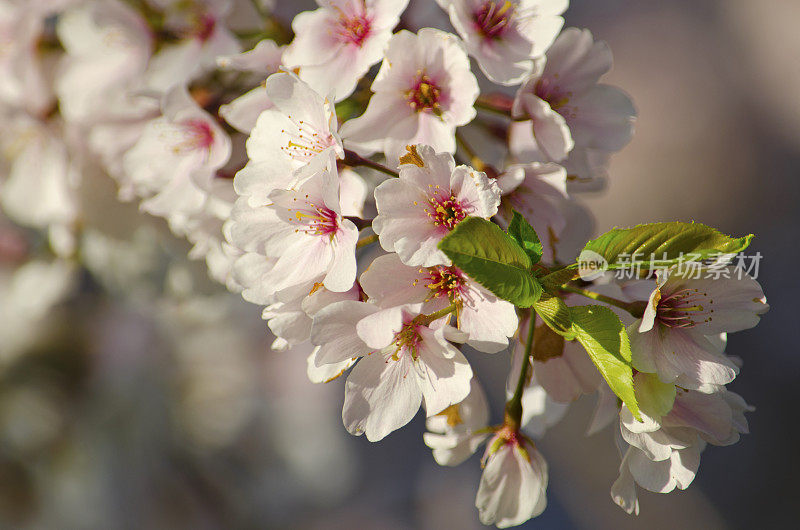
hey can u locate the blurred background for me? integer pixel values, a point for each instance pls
(146, 411)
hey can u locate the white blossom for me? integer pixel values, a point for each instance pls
(672, 338)
(568, 112)
(505, 36)
(429, 199)
(291, 141)
(423, 91)
(488, 320)
(304, 231)
(403, 363)
(335, 45)
(514, 481)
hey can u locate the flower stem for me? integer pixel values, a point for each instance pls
(353, 159)
(474, 159)
(427, 319)
(497, 103)
(368, 240)
(262, 12)
(634, 308)
(513, 416)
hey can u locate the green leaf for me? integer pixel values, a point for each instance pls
(492, 258)
(603, 335)
(526, 236)
(663, 244)
(655, 398)
(556, 279)
(555, 313)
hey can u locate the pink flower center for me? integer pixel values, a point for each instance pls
(684, 309)
(447, 282)
(492, 21)
(424, 95)
(317, 220)
(353, 29)
(446, 211)
(306, 142)
(206, 25)
(549, 90)
(407, 341)
(198, 136)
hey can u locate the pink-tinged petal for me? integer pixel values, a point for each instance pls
(676, 352)
(476, 191)
(334, 331)
(443, 377)
(576, 62)
(315, 38)
(342, 271)
(380, 396)
(388, 282)
(264, 58)
(623, 491)
(539, 411)
(488, 321)
(663, 476)
(602, 118)
(549, 133)
(258, 229)
(567, 377)
(544, 29)
(302, 262)
(512, 487)
(353, 192)
(242, 113)
(605, 412)
(367, 132)
(327, 372)
(708, 413)
(378, 330)
(297, 100)
(258, 179)
(728, 304)
(249, 271)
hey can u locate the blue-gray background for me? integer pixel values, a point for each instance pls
(717, 85)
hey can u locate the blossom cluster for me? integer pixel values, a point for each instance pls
(318, 168)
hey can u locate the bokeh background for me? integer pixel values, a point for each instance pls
(134, 411)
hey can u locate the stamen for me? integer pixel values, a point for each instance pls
(446, 212)
(316, 220)
(684, 308)
(306, 142)
(424, 94)
(492, 21)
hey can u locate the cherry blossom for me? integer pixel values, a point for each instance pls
(263, 60)
(505, 36)
(487, 320)
(201, 23)
(177, 156)
(538, 192)
(567, 111)
(455, 433)
(514, 480)
(429, 199)
(673, 337)
(423, 91)
(663, 450)
(403, 363)
(40, 177)
(108, 46)
(303, 229)
(335, 45)
(23, 83)
(290, 142)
